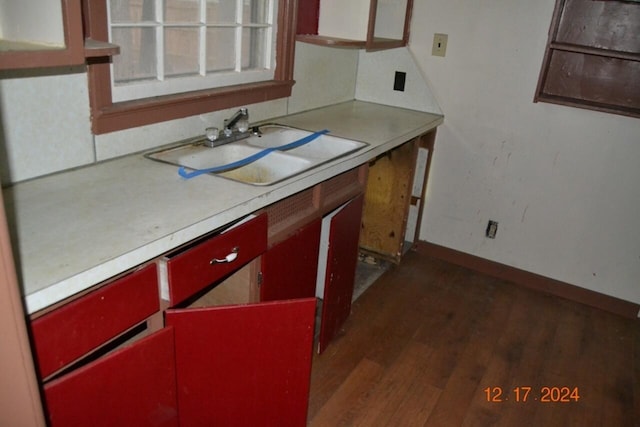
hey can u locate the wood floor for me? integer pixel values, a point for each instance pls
(426, 341)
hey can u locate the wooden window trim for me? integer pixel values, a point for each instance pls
(628, 59)
(107, 116)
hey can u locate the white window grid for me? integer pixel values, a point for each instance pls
(164, 85)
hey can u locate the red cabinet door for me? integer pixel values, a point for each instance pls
(73, 330)
(342, 259)
(289, 269)
(134, 386)
(246, 365)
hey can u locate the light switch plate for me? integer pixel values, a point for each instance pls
(439, 44)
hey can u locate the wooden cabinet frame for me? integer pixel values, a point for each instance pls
(35, 57)
(19, 395)
(307, 30)
(388, 199)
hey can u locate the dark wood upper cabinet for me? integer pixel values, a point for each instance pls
(593, 57)
(41, 34)
(358, 24)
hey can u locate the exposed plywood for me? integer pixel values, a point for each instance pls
(239, 288)
(387, 200)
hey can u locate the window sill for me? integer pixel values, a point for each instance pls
(97, 49)
(142, 112)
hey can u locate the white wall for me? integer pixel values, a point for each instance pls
(323, 76)
(562, 182)
(376, 73)
(44, 123)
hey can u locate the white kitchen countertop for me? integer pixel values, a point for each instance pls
(77, 228)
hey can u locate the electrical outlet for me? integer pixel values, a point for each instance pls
(439, 44)
(399, 81)
(492, 229)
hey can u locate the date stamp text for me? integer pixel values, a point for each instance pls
(522, 394)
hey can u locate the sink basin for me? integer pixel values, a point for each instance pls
(274, 167)
(323, 148)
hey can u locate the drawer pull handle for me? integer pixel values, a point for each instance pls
(229, 258)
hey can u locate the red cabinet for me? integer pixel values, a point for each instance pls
(194, 268)
(295, 266)
(247, 365)
(342, 257)
(134, 386)
(76, 328)
(244, 364)
(289, 269)
(241, 365)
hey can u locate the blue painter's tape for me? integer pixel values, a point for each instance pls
(182, 171)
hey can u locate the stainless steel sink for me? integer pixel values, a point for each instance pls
(324, 148)
(275, 166)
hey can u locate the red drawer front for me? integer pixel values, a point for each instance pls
(75, 329)
(192, 270)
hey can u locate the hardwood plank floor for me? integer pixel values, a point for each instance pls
(430, 342)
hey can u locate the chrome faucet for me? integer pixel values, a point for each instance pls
(235, 128)
(240, 120)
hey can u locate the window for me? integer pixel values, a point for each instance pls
(174, 46)
(184, 57)
(593, 56)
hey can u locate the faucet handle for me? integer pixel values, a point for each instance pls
(243, 125)
(212, 133)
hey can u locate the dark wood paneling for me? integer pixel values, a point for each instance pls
(613, 25)
(592, 59)
(588, 78)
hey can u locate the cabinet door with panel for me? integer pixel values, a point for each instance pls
(133, 386)
(340, 269)
(244, 365)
